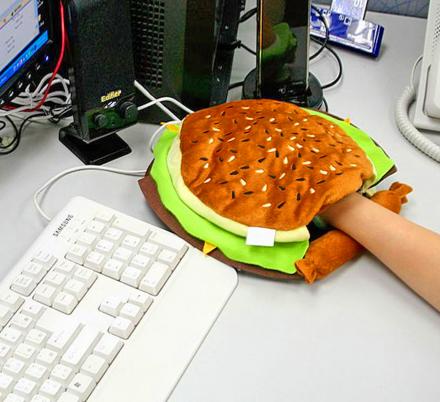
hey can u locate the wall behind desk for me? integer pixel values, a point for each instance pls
(417, 8)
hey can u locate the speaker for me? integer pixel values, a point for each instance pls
(101, 73)
(184, 49)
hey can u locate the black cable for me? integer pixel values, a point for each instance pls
(340, 66)
(324, 101)
(327, 33)
(338, 59)
(247, 15)
(18, 133)
(235, 85)
(241, 44)
(13, 145)
(2, 125)
(56, 118)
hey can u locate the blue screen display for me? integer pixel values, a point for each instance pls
(23, 58)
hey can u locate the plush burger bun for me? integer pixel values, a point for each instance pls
(264, 163)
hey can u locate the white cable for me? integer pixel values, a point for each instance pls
(413, 71)
(406, 127)
(408, 130)
(152, 141)
(53, 180)
(16, 110)
(148, 95)
(165, 99)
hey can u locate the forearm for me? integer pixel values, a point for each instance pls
(409, 250)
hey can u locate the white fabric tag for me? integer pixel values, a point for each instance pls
(260, 237)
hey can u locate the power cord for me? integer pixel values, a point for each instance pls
(248, 15)
(406, 127)
(338, 60)
(38, 194)
(327, 33)
(157, 102)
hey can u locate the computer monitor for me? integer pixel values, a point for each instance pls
(25, 36)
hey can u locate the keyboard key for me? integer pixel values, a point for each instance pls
(69, 397)
(60, 340)
(86, 276)
(22, 322)
(76, 288)
(23, 285)
(45, 294)
(141, 261)
(5, 315)
(123, 254)
(108, 347)
(112, 305)
(132, 242)
(104, 216)
(47, 259)
(47, 358)
(105, 247)
(34, 270)
(11, 300)
(14, 367)
(82, 385)
(36, 372)
(36, 337)
(40, 398)
(25, 352)
(51, 389)
(149, 249)
(113, 269)
(121, 327)
(131, 226)
(65, 302)
(5, 351)
(95, 367)
(6, 383)
(95, 261)
(114, 235)
(131, 312)
(65, 267)
(62, 374)
(169, 258)
(14, 398)
(33, 310)
(11, 336)
(155, 278)
(55, 279)
(96, 227)
(169, 241)
(141, 299)
(80, 348)
(132, 276)
(25, 388)
(77, 253)
(87, 239)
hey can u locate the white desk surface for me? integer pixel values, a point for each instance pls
(360, 335)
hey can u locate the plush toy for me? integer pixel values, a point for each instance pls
(265, 164)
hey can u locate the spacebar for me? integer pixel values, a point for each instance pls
(162, 346)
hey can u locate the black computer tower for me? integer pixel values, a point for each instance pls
(184, 49)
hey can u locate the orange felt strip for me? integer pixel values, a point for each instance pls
(335, 248)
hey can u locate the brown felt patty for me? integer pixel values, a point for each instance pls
(267, 163)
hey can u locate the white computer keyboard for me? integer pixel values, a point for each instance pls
(104, 307)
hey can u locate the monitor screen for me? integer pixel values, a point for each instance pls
(24, 32)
